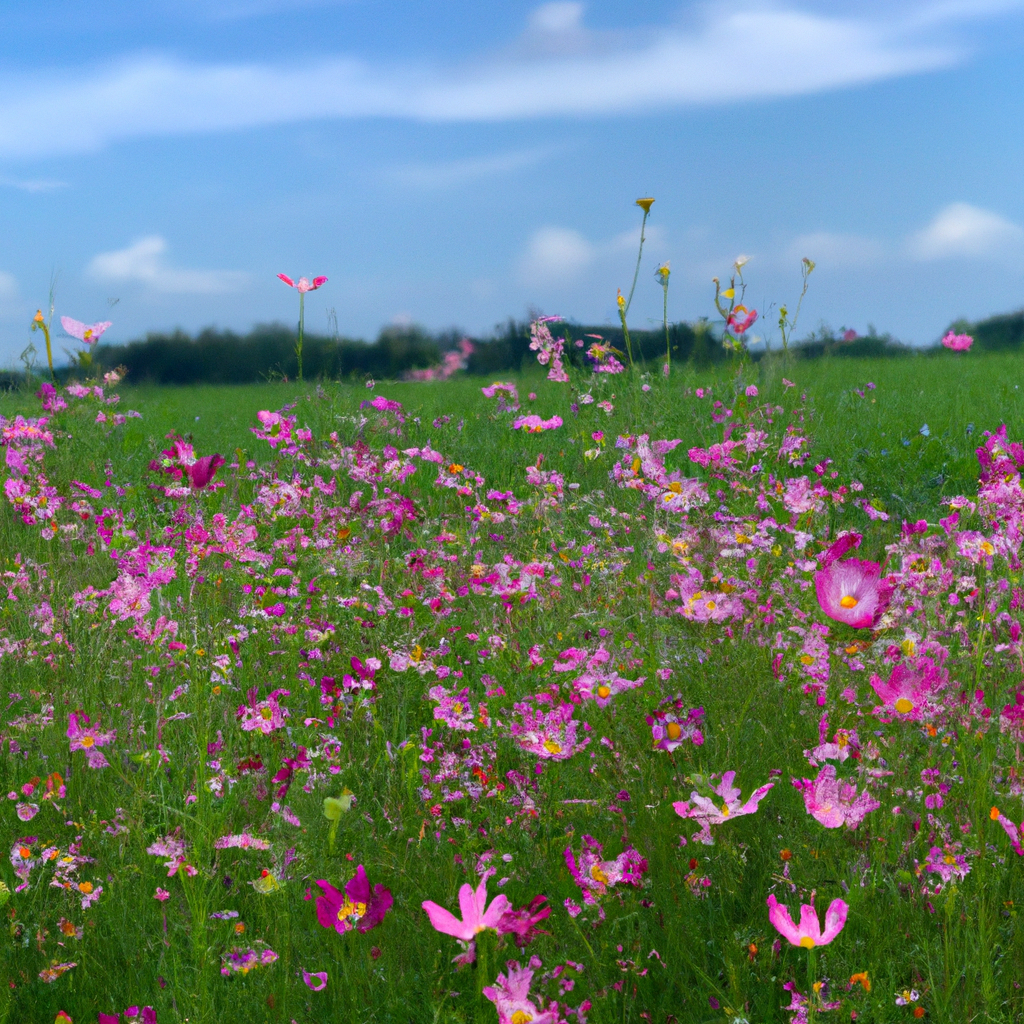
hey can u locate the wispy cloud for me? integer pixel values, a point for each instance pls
(449, 173)
(733, 54)
(8, 287)
(142, 262)
(32, 185)
(838, 250)
(961, 230)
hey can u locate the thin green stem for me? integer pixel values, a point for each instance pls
(302, 321)
(664, 317)
(636, 272)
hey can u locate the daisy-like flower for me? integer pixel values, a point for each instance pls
(672, 728)
(89, 333)
(851, 591)
(511, 997)
(263, 716)
(707, 812)
(834, 802)
(242, 961)
(808, 933)
(476, 914)
(906, 692)
(357, 907)
(549, 735)
(88, 738)
(522, 923)
(303, 285)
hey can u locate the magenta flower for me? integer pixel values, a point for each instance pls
(522, 923)
(203, 470)
(263, 716)
(851, 591)
(533, 424)
(706, 812)
(808, 933)
(357, 907)
(302, 285)
(741, 319)
(89, 333)
(549, 735)
(316, 980)
(1012, 830)
(833, 802)
(476, 915)
(957, 342)
(670, 729)
(908, 688)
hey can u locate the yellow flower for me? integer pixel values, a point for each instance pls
(645, 204)
(38, 318)
(621, 300)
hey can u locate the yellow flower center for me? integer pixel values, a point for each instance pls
(904, 706)
(598, 875)
(807, 942)
(521, 1017)
(725, 810)
(604, 692)
(266, 714)
(348, 909)
(88, 741)
(673, 730)
(848, 601)
(552, 747)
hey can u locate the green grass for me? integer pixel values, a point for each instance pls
(962, 949)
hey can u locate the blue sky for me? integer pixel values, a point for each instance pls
(457, 163)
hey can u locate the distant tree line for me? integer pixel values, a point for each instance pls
(268, 351)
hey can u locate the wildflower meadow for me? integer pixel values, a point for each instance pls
(603, 692)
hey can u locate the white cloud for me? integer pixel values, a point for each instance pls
(8, 286)
(555, 256)
(841, 251)
(964, 230)
(142, 262)
(450, 173)
(733, 54)
(37, 185)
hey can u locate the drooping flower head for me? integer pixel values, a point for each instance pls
(358, 907)
(808, 933)
(303, 285)
(851, 591)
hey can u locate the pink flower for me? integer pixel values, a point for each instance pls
(203, 470)
(835, 803)
(533, 424)
(957, 342)
(740, 319)
(316, 980)
(909, 687)
(264, 716)
(808, 933)
(523, 923)
(707, 812)
(89, 333)
(851, 591)
(358, 907)
(595, 876)
(511, 997)
(88, 738)
(303, 284)
(476, 915)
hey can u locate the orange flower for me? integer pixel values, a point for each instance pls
(919, 1011)
(786, 854)
(994, 814)
(861, 978)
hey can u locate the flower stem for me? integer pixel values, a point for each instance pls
(664, 316)
(636, 272)
(302, 320)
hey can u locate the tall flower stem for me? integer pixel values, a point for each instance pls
(645, 205)
(623, 306)
(302, 323)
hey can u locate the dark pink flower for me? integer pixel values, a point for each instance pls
(303, 284)
(957, 342)
(357, 907)
(851, 591)
(808, 933)
(523, 923)
(203, 470)
(908, 688)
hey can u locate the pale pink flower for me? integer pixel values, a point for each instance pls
(834, 802)
(706, 812)
(89, 333)
(511, 997)
(808, 933)
(476, 915)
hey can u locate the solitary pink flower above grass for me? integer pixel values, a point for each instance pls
(908, 688)
(851, 591)
(476, 915)
(957, 342)
(357, 907)
(808, 933)
(89, 333)
(203, 470)
(833, 802)
(302, 285)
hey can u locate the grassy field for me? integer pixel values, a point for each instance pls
(225, 636)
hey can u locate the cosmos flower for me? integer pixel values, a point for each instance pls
(808, 933)
(833, 802)
(851, 591)
(957, 342)
(203, 470)
(89, 333)
(358, 907)
(303, 285)
(707, 812)
(595, 876)
(908, 688)
(476, 915)
(511, 997)
(522, 923)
